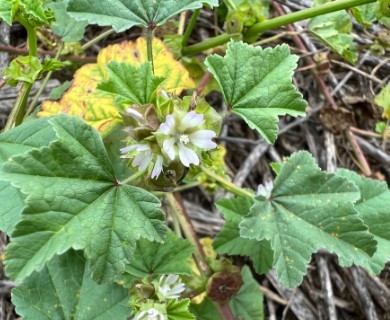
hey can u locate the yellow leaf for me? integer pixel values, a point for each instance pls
(99, 109)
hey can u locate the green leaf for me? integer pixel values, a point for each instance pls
(374, 207)
(228, 241)
(34, 11)
(6, 11)
(57, 92)
(50, 64)
(248, 302)
(64, 26)
(334, 30)
(13, 142)
(366, 14)
(74, 200)
(206, 310)
(309, 209)
(124, 14)
(383, 100)
(258, 94)
(153, 258)
(178, 310)
(140, 88)
(64, 289)
(23, 68)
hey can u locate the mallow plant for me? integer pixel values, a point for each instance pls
(89, 181)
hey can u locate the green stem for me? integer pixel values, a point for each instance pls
(260, 27)
(18, 111)
(230, 4)
(149, 46)
(187, 186)
(95, 40)
(17, 114)
(205, 45)
(190, 27)
(292, 17)
(44, 82)
(227, 185)
(133, 177)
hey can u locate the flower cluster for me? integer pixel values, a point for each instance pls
(166, 288)
(181, 137)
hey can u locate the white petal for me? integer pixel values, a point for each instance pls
(129, 148)
(187, 156)
(169, 148)
(143, 147)
(168, 127)
(158, 166)
(171, 279)
(136, 115)
(142, 160)
(202, 139)
(191, 120)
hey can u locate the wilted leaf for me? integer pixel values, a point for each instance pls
(124, 14)
(307, 210)
(73, 200)
(256, 83)
(69, 293)
(334, 29)
(100, 109)
(383, 100)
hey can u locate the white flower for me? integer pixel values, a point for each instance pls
(168, 287)
(143, 158)
(266, 189)
(150, 314)
(183, 137)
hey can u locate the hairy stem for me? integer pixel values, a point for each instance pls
(149, 45)
(95, 40)
(260, 27)
(190, 27)
(18, 111)
(277, 22)
(44, 83)
(227, 185)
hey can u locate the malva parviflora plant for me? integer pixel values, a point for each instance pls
(82, 196)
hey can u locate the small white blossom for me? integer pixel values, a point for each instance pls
(266, 189)
(183, 137)
(169, 287)
(144, 156)
(150, 314)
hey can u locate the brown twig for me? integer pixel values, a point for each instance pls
(21, 51)
(362, 162)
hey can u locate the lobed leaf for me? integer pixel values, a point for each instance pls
(155, 259)
(64, 26)
(309, 209)
(248, 302)
(124, 14)
(229, 241)
(13, 142)
(178, 310)
(131, 84)
(334, 30)
(69, 293)
(374, 207)
(98, 108)
(256, 83)
(6, 11)
(74, 201)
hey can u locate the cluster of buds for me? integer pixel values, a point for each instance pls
(168, 142)
(166, 288)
